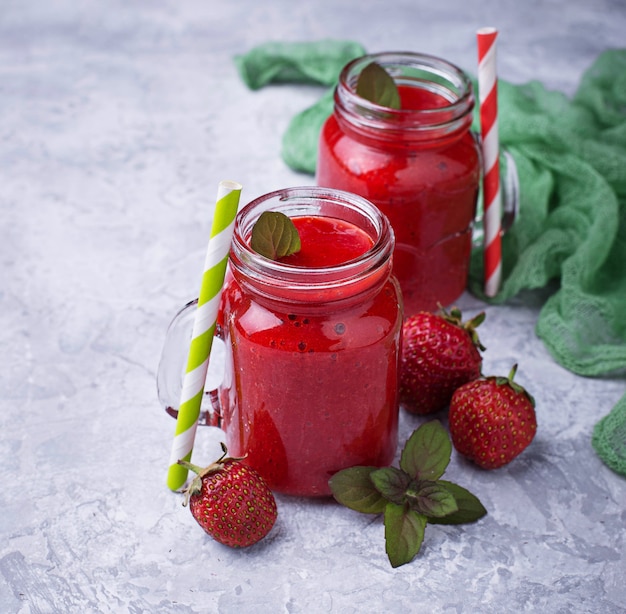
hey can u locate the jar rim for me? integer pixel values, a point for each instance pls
(312, 200)
(414, 69)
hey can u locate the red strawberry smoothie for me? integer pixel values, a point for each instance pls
(429, 195)
(314, 389)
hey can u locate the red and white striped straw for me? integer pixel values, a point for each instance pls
(492, 201)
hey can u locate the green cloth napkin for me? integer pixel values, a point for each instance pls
(571, 229)
(609, 438)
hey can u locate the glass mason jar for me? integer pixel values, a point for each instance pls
(420, 165)
(311, 353)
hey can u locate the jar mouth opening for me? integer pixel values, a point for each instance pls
(427, 72)
(312, 201)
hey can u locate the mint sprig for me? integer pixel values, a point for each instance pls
(410, 496)
(274, 236)
(377, 85)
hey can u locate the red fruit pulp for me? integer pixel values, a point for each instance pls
(314, 386)
(427, 190)
(419, 99)
(327, 242)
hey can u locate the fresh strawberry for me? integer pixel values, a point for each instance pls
(439, 353)
(492, 420)
(231, 501)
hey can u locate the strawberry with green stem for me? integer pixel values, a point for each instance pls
(230, 501)
(492, 420)
(409, 496)
(440, 352)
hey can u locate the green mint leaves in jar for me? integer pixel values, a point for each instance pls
(274, 236)
(376, 85)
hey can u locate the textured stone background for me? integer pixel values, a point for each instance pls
(117, 121)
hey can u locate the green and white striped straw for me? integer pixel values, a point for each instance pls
(203, 329)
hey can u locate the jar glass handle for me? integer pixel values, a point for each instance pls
(171, 370)
(509, 193)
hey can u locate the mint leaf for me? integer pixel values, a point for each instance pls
(410, 496)
(376, 85)
(404, 533)
(426, 453)
(432, 499)
(274, 236)
(353, 488)
(391, 483)
(469, 509)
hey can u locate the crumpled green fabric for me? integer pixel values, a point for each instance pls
(571, 159)
(609, 438)
(570, 234)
